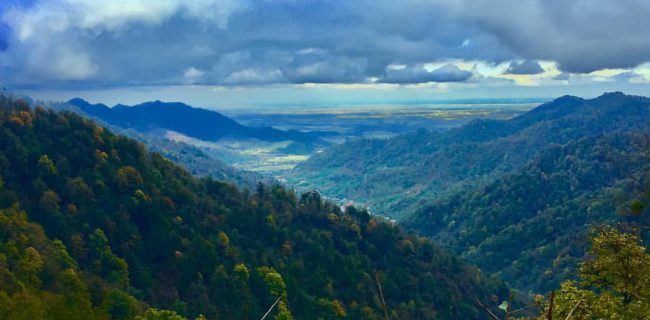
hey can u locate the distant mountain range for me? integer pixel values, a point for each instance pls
(192, 158)
(392, 176)
(515, 196)
(194, 122)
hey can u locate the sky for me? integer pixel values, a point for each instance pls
(234, 53)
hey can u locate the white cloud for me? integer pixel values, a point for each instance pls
(58, 16)
(421, 74)
(193, 73)
(253, 76)
(72, 66)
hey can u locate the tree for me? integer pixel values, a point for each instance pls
(614, 280)
(50, 202)
(155, 314)
(128, 177)
(30, 265)
(277, 289)
(119, 305)
(46, 166)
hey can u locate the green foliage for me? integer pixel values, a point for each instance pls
(154, 314)
(273, 281)
(46, 165)
(514, 196)
(532, 226)
(614, 281)
(37, 276)
(120, 306)
(134, 229)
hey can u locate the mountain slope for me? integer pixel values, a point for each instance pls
(194, 122)
(192, 158)
(197, 161)
(137, 230)
(393, 175)
(531, 225)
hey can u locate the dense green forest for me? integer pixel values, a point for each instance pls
(395, 176)
(93, 226)
(516, 197)
(531, 226)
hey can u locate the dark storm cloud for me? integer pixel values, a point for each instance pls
(4, 33)
(524, 67)
(582, 36)
(240, 42)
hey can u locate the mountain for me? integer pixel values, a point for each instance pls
(517, 197)
(531, 226)
(394, 176)
(192, 158)
(197, 161)
(198, 123)
(93, 226)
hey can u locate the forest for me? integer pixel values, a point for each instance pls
(395, 176)
(93, 226)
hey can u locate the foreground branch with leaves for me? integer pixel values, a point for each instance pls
(614, 281)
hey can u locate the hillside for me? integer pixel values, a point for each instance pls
(192, 158)
(93, 226)
(531, 225)
(197, 161)
(197, 123)
(393, 176)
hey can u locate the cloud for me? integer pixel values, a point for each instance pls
(524, 67)
(99, 42)
(320, 66)
(418, 74)
(581, 36)
(246, 42)
(253, 77)
(562, 76)
(628, 76)
(96, 16)
(193, 73)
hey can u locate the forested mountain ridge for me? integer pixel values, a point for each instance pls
(198, 123)
(197, 161)
(192, 158)
(93, 226)
(531, 225)
(392, 176)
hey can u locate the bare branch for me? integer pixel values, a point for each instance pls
(381, 294)
(492, 315)
(572, 310)
(271, 308)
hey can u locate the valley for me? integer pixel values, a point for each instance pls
(297, 133)
(440, 169)
(324, 160)
(509, 188)
(338, 124)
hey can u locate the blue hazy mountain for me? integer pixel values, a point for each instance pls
(194, 122)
